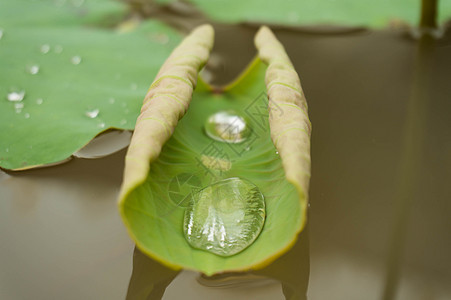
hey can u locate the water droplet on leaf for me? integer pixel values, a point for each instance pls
(225, 217)
(227, 126)
(111, 100)
(27, 116)
(33, 70)
(101, 125)
(134, 86)
(92, 113)
(76, 60)
(16, 96)
(123, 122)
(1, 33)
(39, 101)
(45, 48)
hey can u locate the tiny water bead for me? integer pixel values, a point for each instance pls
(27, 116)
(33, 70)
(39, 101)
(228, 127)
(225, 217)
(1, 33)
(76, 60)
(93, 113)
(16, 96)
(45, 48)
(18, 107)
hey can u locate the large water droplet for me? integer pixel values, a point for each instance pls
(227, 126)
(45, 48)
(16, 96)
(33, 69)
(93, 113)
(76, 60)
(225, 217)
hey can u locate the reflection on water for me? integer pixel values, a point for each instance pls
(286, 278)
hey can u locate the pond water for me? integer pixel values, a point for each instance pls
(379, 219)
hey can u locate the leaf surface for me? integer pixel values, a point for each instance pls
(86, 70)
(157, 184)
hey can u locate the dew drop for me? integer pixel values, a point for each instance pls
(277, 152)
(27, 116)
(7, 149)
(225, 217)
(92, 113)
(1, 33)
(39, 101)
(227, 126)
(16, 96)
(45, 48)
(18, 107)
(123, 122)
(101, 125)
(58, 49)
(76, 60)
(111, 100)
(33, 70)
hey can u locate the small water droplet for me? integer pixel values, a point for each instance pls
(123, 122)
(16, 96)
(227, 126)
(111, 100)
(133, 86)
(92, 113)
(76, 60)
(1, 33)
(225, 217)
(277, 152)
(247, 148)
(101, 125)
(27, 116)
(7, 149)
(58, 49)
(18, 106)
(39, 101)
(45, 48)
(33, 70)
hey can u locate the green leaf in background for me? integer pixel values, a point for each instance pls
(317, 12)
(77, 77)
(154, 216)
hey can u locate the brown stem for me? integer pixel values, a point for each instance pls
(428, 14)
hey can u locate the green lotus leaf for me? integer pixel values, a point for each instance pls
(77, 78)
(170, 155)
(368, 13)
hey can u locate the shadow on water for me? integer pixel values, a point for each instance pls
(286, 278)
